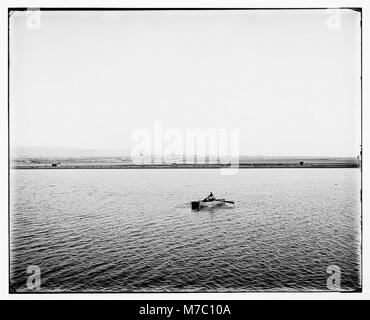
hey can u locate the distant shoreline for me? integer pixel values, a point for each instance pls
(191, 166)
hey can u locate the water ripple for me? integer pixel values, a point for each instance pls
(133, 230)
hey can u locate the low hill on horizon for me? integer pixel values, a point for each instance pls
(80, 153)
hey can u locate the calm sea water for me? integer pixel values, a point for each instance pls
(133, 230)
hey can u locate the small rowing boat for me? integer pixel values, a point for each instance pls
(197, 205)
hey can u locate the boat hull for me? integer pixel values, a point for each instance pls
(197, 205)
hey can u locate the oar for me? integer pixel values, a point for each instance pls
(225, 201)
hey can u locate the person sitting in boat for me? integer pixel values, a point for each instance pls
(210, 197)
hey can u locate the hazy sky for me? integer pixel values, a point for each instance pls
(289, 80)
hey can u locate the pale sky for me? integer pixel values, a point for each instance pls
(288, 79)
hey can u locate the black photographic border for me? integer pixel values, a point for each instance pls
(13, 9)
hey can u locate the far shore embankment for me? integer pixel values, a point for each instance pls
(301, 165)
